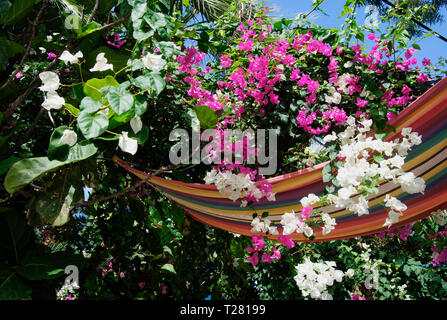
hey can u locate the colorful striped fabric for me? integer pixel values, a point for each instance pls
(427, 116)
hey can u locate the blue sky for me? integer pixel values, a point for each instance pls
(431, 48)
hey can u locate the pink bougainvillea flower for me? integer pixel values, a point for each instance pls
(51, 56)
(254, 259)
(421, 78)
(371, 36)
(241, 27)
(361, 103)
(276, 253)
(225, 61)
(286, 241)
(404, 233)
(19, 75)
(266, 258)
(305, 213)
(409, 53)
(426, 62)
(258, 242)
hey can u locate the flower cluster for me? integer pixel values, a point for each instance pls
(368, 160)
(370, 267)
(51, 83)
(301, 222)
(403, 233)
(240, 185)
(258, 246)
(67, 291)
(314, 278)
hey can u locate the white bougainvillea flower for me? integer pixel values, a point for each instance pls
(153, 62)
(68, 58)
(53, 101)
(50, 81)
(439, 216)
(127, 144)
(136, 124)
(101, 63)
(310, 200)
(69, 137)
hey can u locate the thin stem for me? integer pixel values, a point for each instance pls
(93, 11)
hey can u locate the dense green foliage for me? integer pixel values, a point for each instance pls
(136, 244)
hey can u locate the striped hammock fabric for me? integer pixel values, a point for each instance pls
(427, 115)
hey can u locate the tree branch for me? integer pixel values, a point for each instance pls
(93, 11)
(420, 24)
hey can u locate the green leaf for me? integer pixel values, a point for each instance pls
(327, 173)
(151, 80)
(7, 163)
(56, 149)
(16, 236)
(8, 49)
(154, 215)
(155, 20)
(18, 10)
(92, 126)
(206, 116)
(90, 105)
(119, 120)
(4, 7)
(167, 48)
(92, 87)
(78, 91)
(380, 135)
(140, 105)
(167, 250)
(138, 10)
(53, 204)
(168, 267)
(72, 109)
(39, 268)
(120, 102)
(12, 288)
(49, 266)
(81, 151)
(141, 35)
(141, 136)
(27, 170)
(89, 28)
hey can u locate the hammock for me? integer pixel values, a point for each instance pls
(427, 115)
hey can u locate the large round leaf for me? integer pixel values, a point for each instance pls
(120, 101)
(92, 126)
(90, 105)
(92, 87)
(27, 170)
